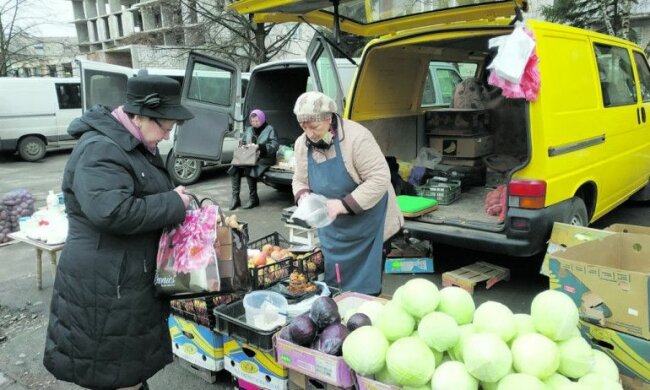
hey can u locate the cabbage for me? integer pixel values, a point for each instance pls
(302, 330)
(397, 295)
(372, 309)
(324, 312)
(453, 376)
(554, 315)
(520, 381)
(486, 356)
(419, 297)
(331, 339)
(439, 357)
(604, 365)
(536, 355)
(410, 361)
(555, 381)
(347, 315)
(364, 350)
(385, 377)
(426, 386)
(573, 386)
(576, 357)
(524, 324)
(597, 381)
(458, 303)
(496, 318)
(489, 385)
(439, 331)
(395, 322)
(456, 352)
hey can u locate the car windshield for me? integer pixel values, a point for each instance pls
(370, 11)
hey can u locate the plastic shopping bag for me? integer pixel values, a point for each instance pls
(313, 210)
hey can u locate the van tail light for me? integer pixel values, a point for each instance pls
(527, 194)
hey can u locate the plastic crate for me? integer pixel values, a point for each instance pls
(271, 239)
(266, 276)
(231, 321)
(200, 309)
(445, 191)
(311, 264)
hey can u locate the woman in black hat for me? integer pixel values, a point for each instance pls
(108, 329)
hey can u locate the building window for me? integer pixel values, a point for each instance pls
(68, 95)
(191, 10)
(120, 28)
(67, 69)
(39, 49)
(107, 28)
(137, 21)
(157, 18)
(95, 31)
(51, 70)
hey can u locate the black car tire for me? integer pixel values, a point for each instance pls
(184, 171)
(578, 213)
(31, 148)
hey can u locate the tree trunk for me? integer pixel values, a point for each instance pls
(625, 19)
(606, 18)
(260, 44)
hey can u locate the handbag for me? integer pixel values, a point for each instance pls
(245, 155)
(201, 255)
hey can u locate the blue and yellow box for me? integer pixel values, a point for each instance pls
(254, 365)
(409, 265)
(196, 344)
(631, 354)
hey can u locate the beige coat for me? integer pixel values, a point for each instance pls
(366, 165)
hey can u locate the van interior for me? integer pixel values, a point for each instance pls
(394, 80)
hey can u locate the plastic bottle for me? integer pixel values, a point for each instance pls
(52, 201)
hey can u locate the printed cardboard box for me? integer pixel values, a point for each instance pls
(607, 276)
(302, 381)
(254, 365)
(464, 147)
(631, 354)
(409, 265)
(196, 344)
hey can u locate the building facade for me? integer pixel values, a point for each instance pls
(43, 56)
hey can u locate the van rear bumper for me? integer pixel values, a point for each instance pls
(509, 241)
(277, 178)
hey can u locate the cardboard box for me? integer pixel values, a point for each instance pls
(364, 383)
(254, 365)
(318, 365)
(302, 381)
(464, 147)
(631, 354)
(196, 344)
(415, 265)
(607, 274)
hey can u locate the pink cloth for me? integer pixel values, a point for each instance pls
(124, 119)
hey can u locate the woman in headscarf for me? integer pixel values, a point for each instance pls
(261, 133)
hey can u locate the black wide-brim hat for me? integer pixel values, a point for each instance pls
(155, 97)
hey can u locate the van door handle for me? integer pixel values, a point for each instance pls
(643, 114)
(638, 115)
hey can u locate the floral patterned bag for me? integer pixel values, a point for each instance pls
(188, 255)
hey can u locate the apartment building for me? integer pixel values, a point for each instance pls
(146, 33)
(42, 56)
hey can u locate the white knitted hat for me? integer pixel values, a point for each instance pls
(314, 107)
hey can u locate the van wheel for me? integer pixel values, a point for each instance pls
(184, 171)
(578, 214)
(31, 148)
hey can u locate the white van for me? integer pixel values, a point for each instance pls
(35, 114)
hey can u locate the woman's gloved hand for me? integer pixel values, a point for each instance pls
(335, 207)
(182, 192)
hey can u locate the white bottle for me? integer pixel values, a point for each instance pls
(52, 201)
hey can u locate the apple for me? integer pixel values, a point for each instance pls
(260, 259)
(267, 248)
(277, 255)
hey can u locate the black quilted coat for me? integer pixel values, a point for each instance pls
(107, 328)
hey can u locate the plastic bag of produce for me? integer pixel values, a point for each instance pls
(19, 203)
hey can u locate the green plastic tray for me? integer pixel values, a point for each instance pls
(409, 204)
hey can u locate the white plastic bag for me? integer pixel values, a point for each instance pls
(313, 210)
(428, 158)
(514, 51)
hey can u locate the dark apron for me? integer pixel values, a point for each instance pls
(354, 242)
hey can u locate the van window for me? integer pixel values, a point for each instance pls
(616, 79)
(68, 95)
(644, 75)
(210, 84)
(448, 80)
(429, 95)
(105, 88)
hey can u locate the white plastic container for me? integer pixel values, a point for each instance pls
(265, 310)
(52, 201)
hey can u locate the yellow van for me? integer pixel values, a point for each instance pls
(572, 155)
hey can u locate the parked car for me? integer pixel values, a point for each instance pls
(577, 149)
(35, 114)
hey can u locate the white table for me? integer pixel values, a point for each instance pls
(40, 247)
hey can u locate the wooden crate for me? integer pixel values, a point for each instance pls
(467, 277)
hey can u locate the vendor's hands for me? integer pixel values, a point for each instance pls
(335, 207)
(182, 192)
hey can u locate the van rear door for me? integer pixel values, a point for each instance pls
(376, 18)
(323, 70)
(211, 91)
(103, 84)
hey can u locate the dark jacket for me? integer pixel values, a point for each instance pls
(107, 328)
(267, 139)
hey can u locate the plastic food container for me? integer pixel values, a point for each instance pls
(265, 310)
